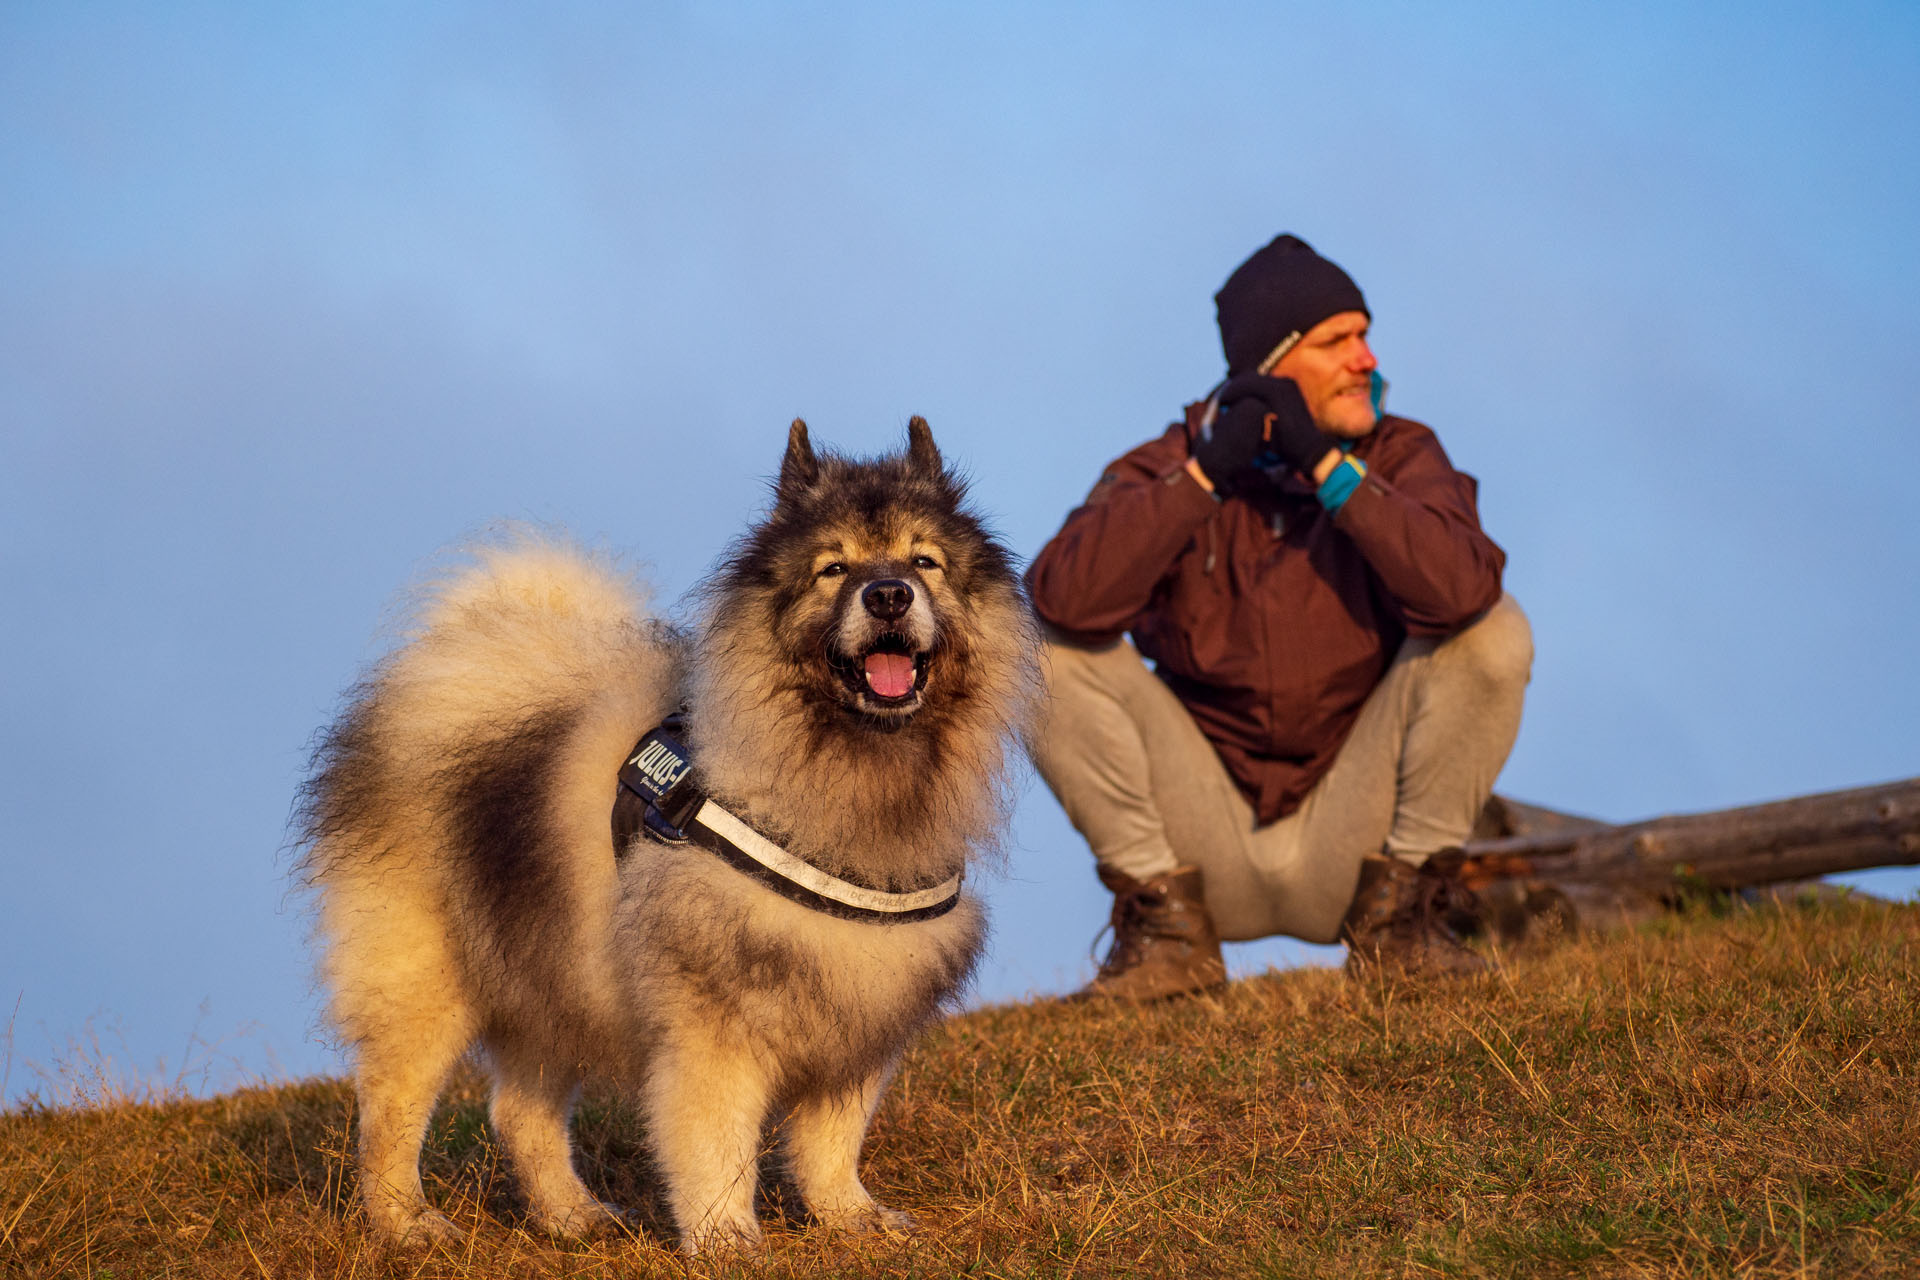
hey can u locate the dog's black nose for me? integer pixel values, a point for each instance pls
(887, 599)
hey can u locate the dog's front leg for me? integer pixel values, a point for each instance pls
(822, 1144)
(706, 1103)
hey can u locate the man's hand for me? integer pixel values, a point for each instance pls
(1225, 455)
(1273, 411)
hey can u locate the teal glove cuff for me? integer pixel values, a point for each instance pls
(1341, 482)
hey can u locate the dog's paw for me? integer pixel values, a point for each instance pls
(588, 1220)
(722, 1238)
(893, 1221)
(869, 1219)
(415, 1228)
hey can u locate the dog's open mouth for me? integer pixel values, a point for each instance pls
(887, 674)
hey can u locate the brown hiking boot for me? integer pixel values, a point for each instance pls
(1523, 910)
(1163, 940)
(1411, 919)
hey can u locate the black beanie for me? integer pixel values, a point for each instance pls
(1283, 290)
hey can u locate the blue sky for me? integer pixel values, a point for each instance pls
(292, 296)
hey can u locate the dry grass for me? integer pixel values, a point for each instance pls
(1712, 1096)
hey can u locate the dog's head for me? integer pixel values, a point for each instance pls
(871, 581)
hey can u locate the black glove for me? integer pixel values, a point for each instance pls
(1279, 419)
(1227, 452)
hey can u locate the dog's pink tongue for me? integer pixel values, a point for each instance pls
(890, 674)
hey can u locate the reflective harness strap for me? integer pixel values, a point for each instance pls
(660, 794)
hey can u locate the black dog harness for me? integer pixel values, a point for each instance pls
(661, 794)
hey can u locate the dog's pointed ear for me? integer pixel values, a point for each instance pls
(799, 470)
(922, 453)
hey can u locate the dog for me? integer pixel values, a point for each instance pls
(856, 684)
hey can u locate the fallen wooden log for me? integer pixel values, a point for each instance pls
(1524, 854)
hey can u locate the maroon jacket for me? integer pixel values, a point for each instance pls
(1270, 619)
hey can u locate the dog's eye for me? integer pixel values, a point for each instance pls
(925, 562)
(834, 570)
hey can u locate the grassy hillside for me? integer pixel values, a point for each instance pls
(1732, 1095)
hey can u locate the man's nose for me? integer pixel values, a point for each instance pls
(1363, 361)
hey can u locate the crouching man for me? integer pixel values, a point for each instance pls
(1337, 673)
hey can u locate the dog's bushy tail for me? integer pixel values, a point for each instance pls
(521, 619)
(525, 630)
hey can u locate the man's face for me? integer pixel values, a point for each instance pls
(1333, 366)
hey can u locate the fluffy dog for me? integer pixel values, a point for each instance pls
(861, 666)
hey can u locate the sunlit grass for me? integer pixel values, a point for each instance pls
(1713, 1095)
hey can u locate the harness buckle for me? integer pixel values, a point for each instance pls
(659, 771)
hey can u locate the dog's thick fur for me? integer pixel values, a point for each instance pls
(456, 831)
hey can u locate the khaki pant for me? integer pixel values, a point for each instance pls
(1146, 789)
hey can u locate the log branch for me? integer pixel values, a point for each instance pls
(1794, 839)
(1601, 871)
